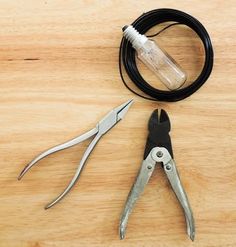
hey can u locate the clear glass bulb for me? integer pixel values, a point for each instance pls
(156, 59)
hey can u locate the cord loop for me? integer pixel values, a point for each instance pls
(143, 24)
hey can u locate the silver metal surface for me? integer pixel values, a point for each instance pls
(57, 148)
(78, 172)
(143, 178)
(113, 117)
(173, 177)
(102, 127)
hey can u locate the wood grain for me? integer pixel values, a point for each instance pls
(59, 76)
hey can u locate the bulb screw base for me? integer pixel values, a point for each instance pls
(135, 38)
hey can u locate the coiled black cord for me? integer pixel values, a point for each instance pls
(142, 25)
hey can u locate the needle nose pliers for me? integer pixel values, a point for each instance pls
(109, 121)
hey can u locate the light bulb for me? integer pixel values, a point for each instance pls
(156, 59)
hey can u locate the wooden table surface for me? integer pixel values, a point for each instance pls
(59, 76)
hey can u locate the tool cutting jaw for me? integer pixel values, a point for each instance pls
(159, 127)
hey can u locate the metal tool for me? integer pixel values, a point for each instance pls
(158, 150)
(109, 121)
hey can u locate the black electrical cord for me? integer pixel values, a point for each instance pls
(142, 25)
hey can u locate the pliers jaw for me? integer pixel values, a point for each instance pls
(113, 117)
(159, 127)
